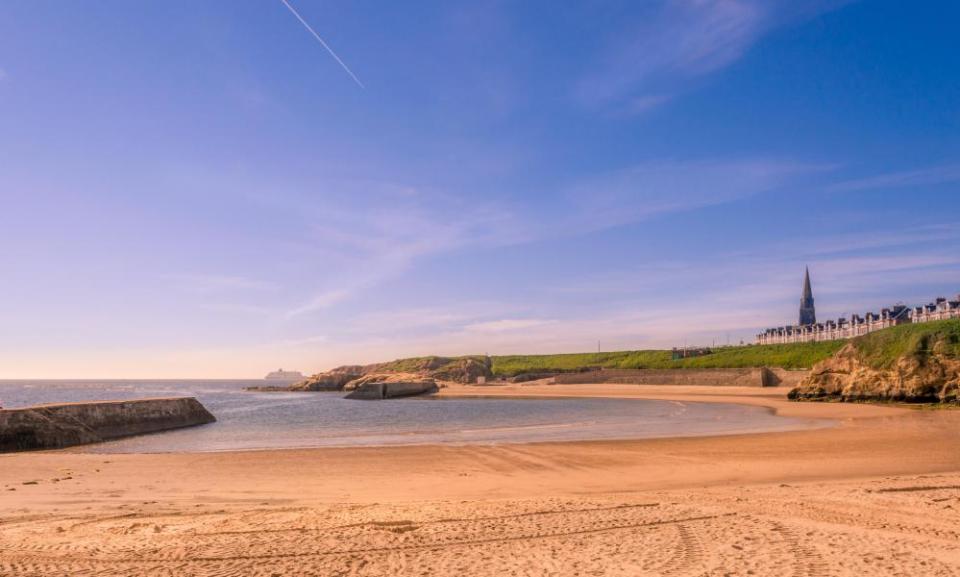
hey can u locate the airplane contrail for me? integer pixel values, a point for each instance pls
(324, 44)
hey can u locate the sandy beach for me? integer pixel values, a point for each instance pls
(479, 289)
(876, 494)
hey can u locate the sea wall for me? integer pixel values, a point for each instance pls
(378, 391)
(738, 377)
(58, 426)
(789, 378)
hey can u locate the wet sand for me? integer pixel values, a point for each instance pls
(878, 494)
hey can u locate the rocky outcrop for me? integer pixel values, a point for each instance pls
(378, 390)
(268, 388)
(924, 376)
(455, 369)
(333, 380)
(58, 426)
(463, 370)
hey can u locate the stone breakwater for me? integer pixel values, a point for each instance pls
(66, 425)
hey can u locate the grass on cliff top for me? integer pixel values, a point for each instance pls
(410, 365)
(790, 356)
(415, 364)
(880, 350)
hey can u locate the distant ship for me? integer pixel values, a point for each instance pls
(285, 376)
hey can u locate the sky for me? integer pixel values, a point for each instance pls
(200, 189)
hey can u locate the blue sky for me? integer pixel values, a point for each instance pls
(199, 189)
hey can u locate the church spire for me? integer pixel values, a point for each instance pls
(808, 314)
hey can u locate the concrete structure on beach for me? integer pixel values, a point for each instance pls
(809, 330)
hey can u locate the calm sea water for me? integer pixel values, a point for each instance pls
(251, 420)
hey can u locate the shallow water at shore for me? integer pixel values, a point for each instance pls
(257, 420)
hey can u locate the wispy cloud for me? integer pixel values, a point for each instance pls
(872, 236)
(235, 309)
(655, 188)
(640, 308)
(928, 176)
(302, 341)
(216, 283)
(645, 102)
(419, 318)
(374, 231)
(506, 325)
(636, 308)
(677, 41)
(323, 300)
(358, 235)
(862, 274)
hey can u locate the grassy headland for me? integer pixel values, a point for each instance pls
(880, 350)
(790, 356)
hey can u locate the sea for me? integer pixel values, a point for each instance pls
(249, 420)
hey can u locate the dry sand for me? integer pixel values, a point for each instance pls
(879, 494)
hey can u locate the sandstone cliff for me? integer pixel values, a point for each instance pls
(333, 380)
(911, 363)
